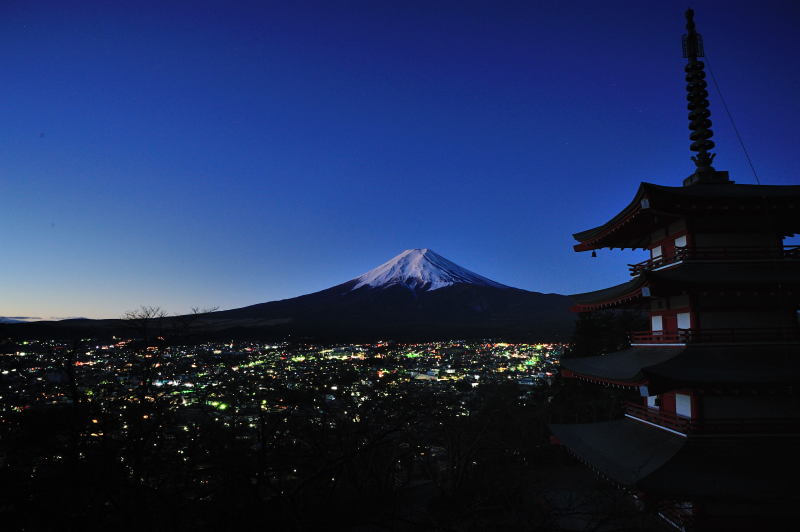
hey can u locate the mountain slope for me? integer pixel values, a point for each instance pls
(417, 295)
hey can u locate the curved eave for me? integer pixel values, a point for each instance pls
(622, 368)
(610, 297)
(593, 238)
(611, 303)
(776, 275)
(635, 383)
(630, 228)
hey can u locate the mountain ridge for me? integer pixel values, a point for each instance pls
(416, 295)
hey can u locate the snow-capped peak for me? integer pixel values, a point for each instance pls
(421, 268)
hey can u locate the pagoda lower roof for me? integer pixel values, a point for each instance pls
(783, 275)
(669, 368)
(622, 368)
(617, 295)
(623, 450)
(726, 365)
(656, 461)
(632, 226)
(768, 272)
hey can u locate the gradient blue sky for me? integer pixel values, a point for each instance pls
(229, 153)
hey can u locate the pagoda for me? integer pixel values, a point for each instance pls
(711, 435)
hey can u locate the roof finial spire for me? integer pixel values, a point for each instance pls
(699, 113)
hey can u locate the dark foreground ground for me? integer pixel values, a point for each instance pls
(151, 437)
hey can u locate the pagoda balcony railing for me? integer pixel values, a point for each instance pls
(668, 420)
(731, 253)
(729, 335)
(681, 336)
(680, 514)
(685, 425)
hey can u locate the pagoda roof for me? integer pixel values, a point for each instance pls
(725, 365)
(656, 461)
(670, 368)
(631, 227)
(620, 294)
(623, 450)
(782, 273)
(696, 273)
(729, 469)
(622, 367)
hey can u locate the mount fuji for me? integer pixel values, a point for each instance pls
(417, 295)
(421, 269)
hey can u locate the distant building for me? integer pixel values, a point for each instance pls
(712, 441)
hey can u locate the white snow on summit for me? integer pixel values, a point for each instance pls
(421, 268)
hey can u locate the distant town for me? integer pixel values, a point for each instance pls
(214, 434)
(229, 378)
